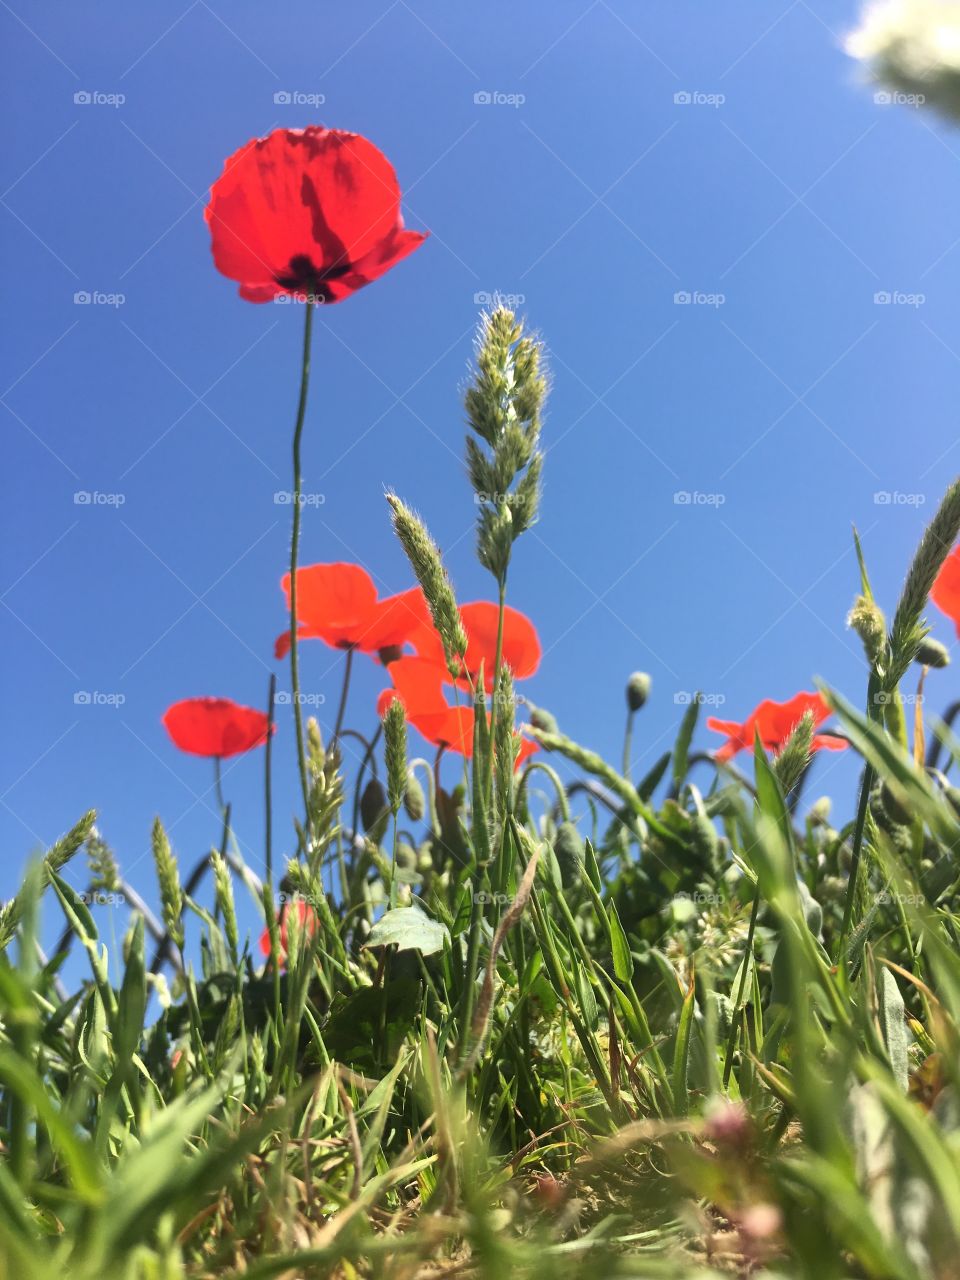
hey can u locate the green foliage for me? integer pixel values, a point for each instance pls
(566, 1025)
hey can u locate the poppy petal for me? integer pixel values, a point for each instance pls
(215, 727)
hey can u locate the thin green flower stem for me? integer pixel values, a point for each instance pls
(498, 659)
(858, 830)
(225, 812)
(541, 767)
(627, 744)
(344, 692)
(393, 864)
(294, 551)
(741, 987)
(268, 784)
(873, 686)
(218, 782)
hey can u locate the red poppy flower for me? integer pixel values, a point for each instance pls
(418, 683)
(215, 726)
(311, 212)
(945, 592)
(337, 603)
(308, 924)
(774, 721)
(521, 644)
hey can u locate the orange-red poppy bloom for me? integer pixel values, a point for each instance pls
(418, 683)
(945, 592)
(215, 726)
(521, 644)
(310, 212)
(775, 721)
(308, 924)
(338, 604)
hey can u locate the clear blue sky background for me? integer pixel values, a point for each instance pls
(598, 198)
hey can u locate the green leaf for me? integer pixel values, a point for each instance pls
(893, 1026)
(622, 959)
(681, 1052)
(681, 749)
(409, 929)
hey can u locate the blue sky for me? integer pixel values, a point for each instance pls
(629, 156)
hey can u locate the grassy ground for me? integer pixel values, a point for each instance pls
(598, 1027)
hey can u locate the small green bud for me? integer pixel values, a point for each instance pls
(374, 809)
(638, 690)
(932, 653)
(543, 720)
(406, 856)
(819, 812)
(703, 837)
(568, 847)
(892, 806)
(414, 801)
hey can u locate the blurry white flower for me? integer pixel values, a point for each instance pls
(914, 47)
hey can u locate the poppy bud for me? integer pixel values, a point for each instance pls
(406, 856)
(638, 690)
(543, 720)
(414, 801)
(374, 809)
(568, 847)
(893, 807)
(703, 837)
(819, 812)
(931, 653)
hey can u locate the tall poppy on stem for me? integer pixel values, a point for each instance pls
(774, 722)
(216, 728)
(314, 214)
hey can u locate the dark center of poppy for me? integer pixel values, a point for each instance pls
(303, 276)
